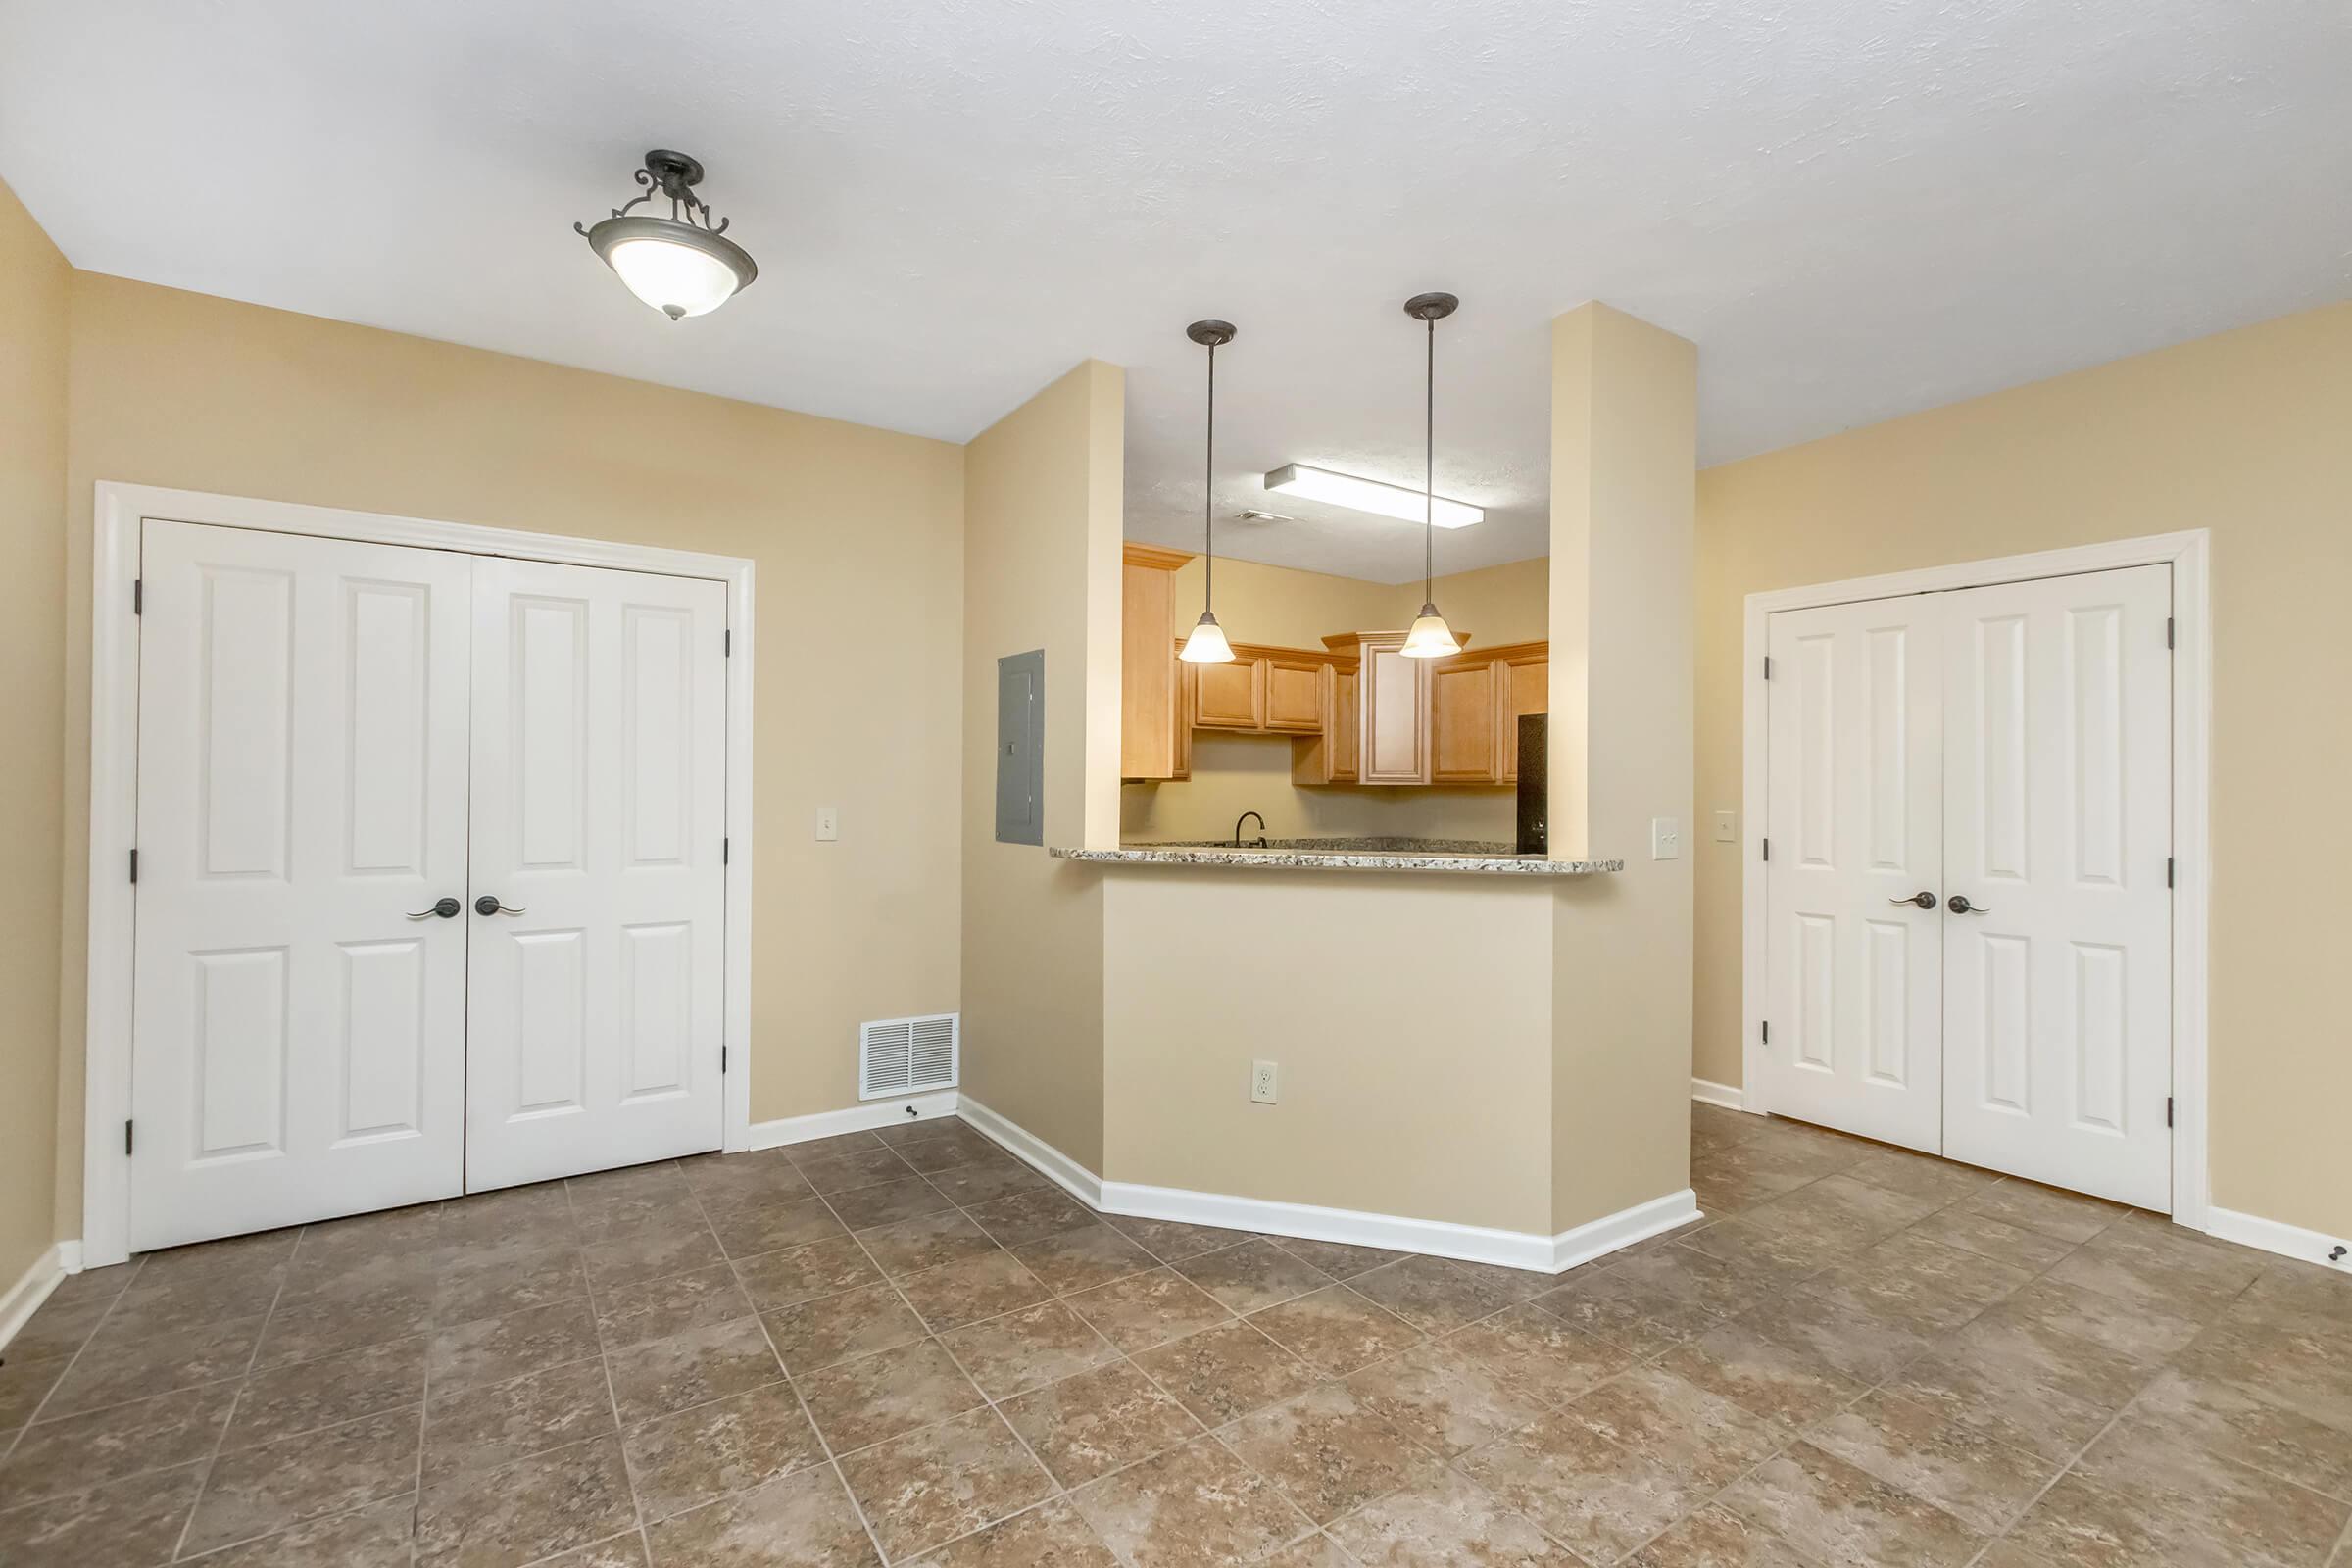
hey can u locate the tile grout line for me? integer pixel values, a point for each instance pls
(204, 1485)
(604, 1358)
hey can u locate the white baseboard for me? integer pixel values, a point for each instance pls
(22, 1299)
(855, 1119)
(2277, 1236)
(1476, 1243)
(69, 1255)
(1709, 1092)
(1034, 1151)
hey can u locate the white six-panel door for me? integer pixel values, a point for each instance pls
(300, 1044)
(1856, 830)
(2009, 746)
(598, 805)
(2057, 806)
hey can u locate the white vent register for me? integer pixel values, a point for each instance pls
(906, 1056)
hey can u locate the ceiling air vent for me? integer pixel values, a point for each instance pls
(906, 1056)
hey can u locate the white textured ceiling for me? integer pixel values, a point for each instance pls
(1855, 209)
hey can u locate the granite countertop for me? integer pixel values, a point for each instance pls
(1474, 856)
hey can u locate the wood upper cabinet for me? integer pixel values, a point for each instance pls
(1230, 696)
(1151, 732)
(1332, 756)
(1392, 710)
(1475, 702)
(1293, 690)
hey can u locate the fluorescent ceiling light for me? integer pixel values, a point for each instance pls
(1370, 495)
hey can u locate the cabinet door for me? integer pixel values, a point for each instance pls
(1345, 738)
(1230, 696)
(1146, 675)
(1395, 709)
(1525, 687)
(1465, 741)
(1293, 696)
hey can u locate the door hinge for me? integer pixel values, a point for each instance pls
(1767, 849)
(1768, 666)
(134, 866)
(722, 1060)
(2168, 870)
(1765, 1029)
(127, 1139)
(2168, 1111)
(138, 596)
(724, 850)
(726, 642)
(2168, 631)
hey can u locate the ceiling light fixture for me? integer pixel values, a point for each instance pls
(1370, 495)
(1431, 637)
(681, 265)
(1208, 644)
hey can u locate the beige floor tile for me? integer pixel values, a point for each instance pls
(2080, 1524)
(528, 1509)
(1227, 1371)
(2161, 1479)
(1864, 1344)
(1083, 1258)
(1984, 1482)
(1837, 1514)
(847, 1169)
(1762, 1374)
(652, 1309)
(760, 1173)
(1443, 1401)
(1991, 1238)
(1329, 1452)
(1171, 1242)
(496, 1279)
(1335, 1330)
(802, 1521)
(1087, 1426)
(1535, 1351)
(679, 1370)
(275, 1485)
(753, 1227)
(1920, 1175)
(1253, 1276)
(682, 1461)
(871, 1401)
(1927, 1283)
(2068, 1216)
(328, 1392)
(482, 1428)
(1143, 1311)
(1027, 1350)
(381, 1535)
(1717, 1538)
(1340, 1262)
(1446, 1520)
(2132, 1329)
(1599, 1500)
(833, 1329)
(1054, 1536)
(926, 1489)
(1031, 1215)
(496, 1350)
(2179, 1425)
(988, 1286)
(74, 1454)
(1433, 1295)
(969, 1186)
(1196, 1506)
(131, 1521)
(123, 1362)
(805, 1273)
(1701, 1437)
(927, 1241)
(2153, 1263)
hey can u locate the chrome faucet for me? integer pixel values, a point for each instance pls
(1261, 841)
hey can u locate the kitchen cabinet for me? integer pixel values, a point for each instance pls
(1391, 707)
(1151, 732)
(1332, 756)
(1294, 694)
(1476, 702)
(1231, 696)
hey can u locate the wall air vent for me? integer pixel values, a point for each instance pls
(908, 1056)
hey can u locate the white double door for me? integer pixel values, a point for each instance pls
(429, 890)
(1969, 923)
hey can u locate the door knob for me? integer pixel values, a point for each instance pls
(446, 908)
(1922, 898)
(1959, 904)
(488, 904)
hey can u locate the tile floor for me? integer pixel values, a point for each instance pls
(906, 1348)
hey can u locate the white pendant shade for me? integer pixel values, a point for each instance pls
(1207, 644)
(1431, 637)
(678, 280)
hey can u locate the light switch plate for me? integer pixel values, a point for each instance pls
(1665, 839)
(1727, 827)
(828, 823)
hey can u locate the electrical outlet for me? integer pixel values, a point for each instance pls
(1727, 827)
(1261, 1082)
(1665, 839)
(828, 823)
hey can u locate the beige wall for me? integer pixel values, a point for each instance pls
(34, 290)
(856, 534)
(1409, 1014)
(1040, 562)
(1624, 455)
(2248, 434)
(1289, 609)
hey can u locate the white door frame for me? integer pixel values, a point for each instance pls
(2187, 552)
(114, 784)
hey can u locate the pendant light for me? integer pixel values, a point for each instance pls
(1208, 644)
(680, 265)
(1431, 637)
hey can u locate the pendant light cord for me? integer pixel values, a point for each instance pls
(1208, 502)
(1428, 469)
